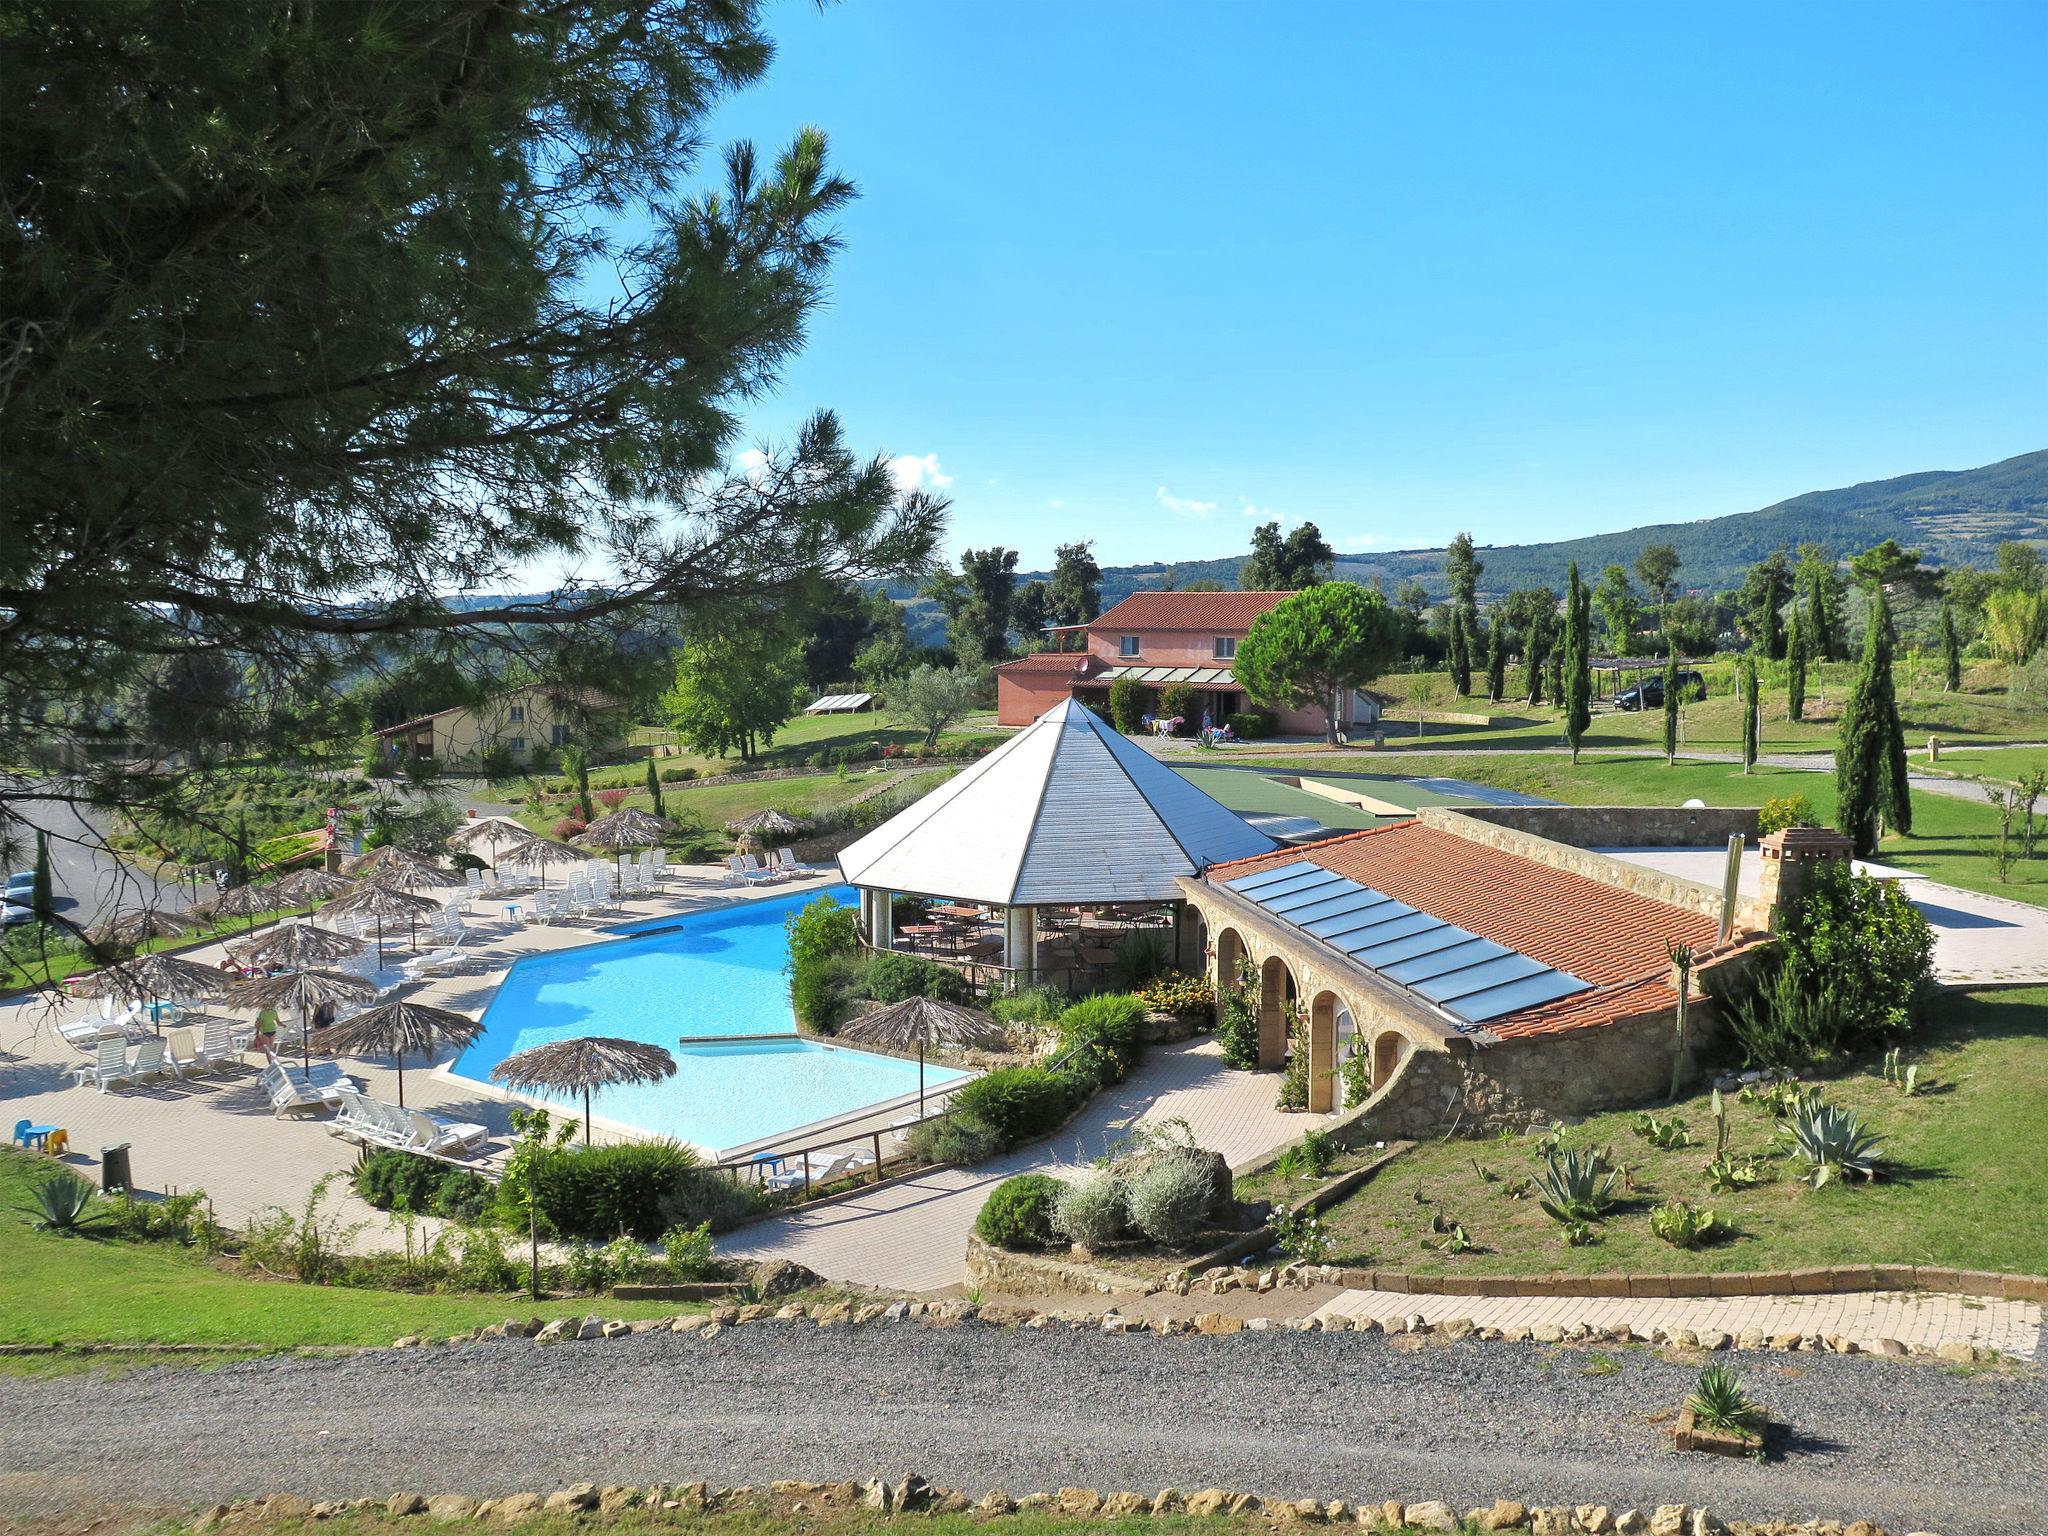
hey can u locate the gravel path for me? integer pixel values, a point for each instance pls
(1348, 1416)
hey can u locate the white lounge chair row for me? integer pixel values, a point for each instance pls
(376, 1123)
(777, 864)
(300, 1090)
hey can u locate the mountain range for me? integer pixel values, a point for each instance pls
(1958, 517)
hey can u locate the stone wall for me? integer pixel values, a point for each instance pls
(1623, 826)
(1036, 1274)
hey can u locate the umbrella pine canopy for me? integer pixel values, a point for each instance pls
(584, 1064)
(398, 1029)
(925, 1021)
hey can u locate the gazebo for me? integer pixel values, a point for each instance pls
(1067, 813)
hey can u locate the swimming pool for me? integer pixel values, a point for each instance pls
(718, 972)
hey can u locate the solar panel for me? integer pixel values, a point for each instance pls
(1468, 977)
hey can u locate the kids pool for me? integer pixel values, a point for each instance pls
(708, 973)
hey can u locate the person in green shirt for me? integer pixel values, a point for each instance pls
(266, 1032)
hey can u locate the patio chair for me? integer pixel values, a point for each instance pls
(216, 1044)
(87, 1032)
(657, 865)
(436, 1135)
(361, 1118)
(436, 964)
(735, 870)
(756, 872)
(181, 1051)
(115, 1065)
(785, 860)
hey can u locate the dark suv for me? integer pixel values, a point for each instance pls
(1649, 694)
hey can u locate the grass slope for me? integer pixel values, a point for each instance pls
(1969, 1177)
(91, 1290)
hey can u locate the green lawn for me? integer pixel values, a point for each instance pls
(809, 795)
(88, 1290)
(2006, 763)
(21, 966)
(795, 742)
(1967, 1188)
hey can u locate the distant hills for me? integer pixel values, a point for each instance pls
(1957, 516)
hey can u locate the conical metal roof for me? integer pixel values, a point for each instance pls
(1066, 811)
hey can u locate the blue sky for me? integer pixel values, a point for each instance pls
(1144, 272)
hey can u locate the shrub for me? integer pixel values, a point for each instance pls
(1033, 1005)
(892, 977)
(1782, 811)
(958, 1137)
(602, 1191)
(1100, 1035)
(1092, 1212)
(1178, 994)
(1016, 1104)
(821, 929)
(1576, 1186)
(701, 1196)
(1019, 1213)
(611, 799)
(497, 762)
(392, 1180)
(1237, 1031)
(1294, 1075)
(1173, 1197)
(1252, 724)
(678, 775)
(1184, 701)
(1128, 700)
(1684, 1225)
(568, 827)
(821, 992)
(464, 1195)
(1864, 936)
(1137, 958)
(484, 1264)
(688, 1250)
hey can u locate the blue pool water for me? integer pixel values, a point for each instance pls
(709, 973)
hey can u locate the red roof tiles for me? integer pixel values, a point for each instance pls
(1220, 612)
(1614, 938)
(1047, 663)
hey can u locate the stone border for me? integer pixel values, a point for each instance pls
(1791, 1282)
(915, 1494)
(853, 1313)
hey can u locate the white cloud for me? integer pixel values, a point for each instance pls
(1264, 514)
(752, 462)
(1184, 505)
(1362, 541)
(914, 472)
(1057, 502)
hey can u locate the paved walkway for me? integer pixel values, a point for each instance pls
(1919, 1320)
(913, 1235)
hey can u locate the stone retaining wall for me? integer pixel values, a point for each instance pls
(1624, 826)
(1031, 1274)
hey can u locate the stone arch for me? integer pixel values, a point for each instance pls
(1229, 954)
(1322, 1053)
(1276, 991)
(1389, 1049)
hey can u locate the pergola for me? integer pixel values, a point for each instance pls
(1065, 814)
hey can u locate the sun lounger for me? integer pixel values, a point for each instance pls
(297, 1091)
(430, 965)
(114, 1064)
(436, 1136)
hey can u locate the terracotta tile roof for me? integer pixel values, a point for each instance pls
(1045, 663)
(1221, 612)
(1613, 938)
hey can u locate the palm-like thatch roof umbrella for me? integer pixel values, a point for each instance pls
(153, 979)
(630, 828)
(398, 1028)
(395, 866)
(540, 853)
(248, 901)
(580, 1065)
(372, 899)
(500, 831)
(139, 927)
(304, 887)
(771, 821)
(301, 991)
(925, 1021)
(297, 944)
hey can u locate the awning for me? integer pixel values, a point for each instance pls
(1200, 677)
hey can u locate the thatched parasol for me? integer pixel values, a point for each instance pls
(540, 853)
(304, 887)
(301, 991)
(398, 1028)
(139, 927)
(250, 901)
(371, 899)
(630, 828)
(491, 829)
(595, 1061)
(397, 867)
(153, 979)
(918, 1022)
(771, 822)
(295, 945)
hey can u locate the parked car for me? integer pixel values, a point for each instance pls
(1649, 693)
(20, 884)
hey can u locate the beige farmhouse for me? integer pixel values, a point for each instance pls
(531, 723)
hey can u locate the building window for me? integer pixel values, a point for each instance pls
(561, 736)
(1127, 646)
(1226, 647)
(515, 744)
(516, 714)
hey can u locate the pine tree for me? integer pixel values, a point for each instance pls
(1795, 669)
(1671, 706)
(1496, 661)
(1870, 755)
(1752, 713)
(1951, 651)
(1578, 659)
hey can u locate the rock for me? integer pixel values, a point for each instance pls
(1555, 1521)
(1335, 1322)
(210, 1517)
(405, 1504)
(1031, 1503)
(838, 1312)
(1957, 1351)
(1390, 1516)
(1506, 1515)
(1119, 1506)
(1784, 1340)
(1415, 1322)
(952, 1502)
(1266, 1281)
(695, 1323)
(451, 1506)
(1630, 1522)
(995, 1502)
(1296, 1511)
(913, 1493)
(1218, 1322)
(711, 1330)
(1456, 1327)
(1210, 1501)
(576, 1496)
(615, 1330)
(1168, 1501)
(1891, 1347)
(1684, 1338)
(515, 1507)
(1078, 1501)
(1547, 1333)
(1258, 1324)
(616, 1497)
(409, 1341)
(1715, 1338)
(287, 1506)
(1304, 1324)
(1750, 1338)
(870, 1313)
(782, 1277)
(1518, 1334)
(790, 1312)
(1336, 1510)
(1246, 1504)
(1668, 1520)
(1593, 1519)
(876, 1494)
(753, 1312)
(1432, 1515)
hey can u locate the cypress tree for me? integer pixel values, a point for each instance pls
(1752, 712)
(1578, 659)
(1870, 754)
(40, 893)
(1557, 660)
(1461, 653)
(1951, 650)
(1795, 669)
(1496, 661)
(1823, 642)
(1671, 706)
(654, 788)
(1532, 659)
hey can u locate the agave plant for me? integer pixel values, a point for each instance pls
(1684, 1225)
(62, 1203)
(1832, 1141)
(1719, 1403)
(1577, 1185)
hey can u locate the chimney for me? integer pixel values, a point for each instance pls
(1788, 854)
